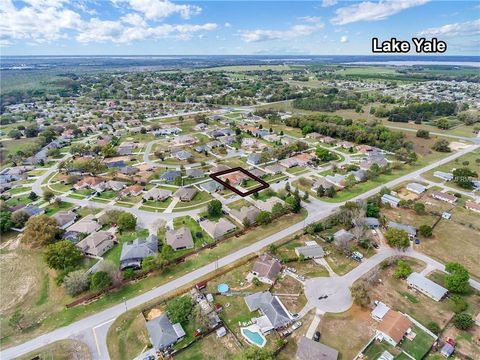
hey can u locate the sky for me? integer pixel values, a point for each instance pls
(167, 27)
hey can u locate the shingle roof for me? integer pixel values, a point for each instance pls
(270, 306)
(307, 349)
(267, 267)
(162, 332)
(181, 238)
(395, 325)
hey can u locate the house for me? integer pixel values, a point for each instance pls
(95, 183)
(201, 148)
(185, 193)
(129, 170)
(97, 243)
(253, 159)
(179, 239)
(346, 144)
(126, 148)
(393, 327)
(249, 142)
(200, 126)
(380, 311)
(337, 180)
(64, 218)
(328, 140)
(371, 222)
(444, 197)
(219, 168)
(308, 349)
(303, 159)
(268, 204)
(426, 286)
(443, 175)
(359, 175)
(115, 185)
(275, 315)
(185, 140)
(389, 199)
(133, 252)
(322, 182)
(274, 169)
(258, 173)
(289, 162)
(472, 206)
(343, 236)
(313, 135)
(116, 164)
(217, 229)
(311, 250)
(195, 173)
(167, 131)
(171, 175)
(410, 230)
(163, 333)
(132, 190)
(235, 178)
(157, 194)
(33, 210)
(378, 159)
(266, 268)
(181, 155)
(416, 188)
(246, 213)
(87, 225)
(211, 186)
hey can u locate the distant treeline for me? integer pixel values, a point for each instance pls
(418, 112)
(373, 134)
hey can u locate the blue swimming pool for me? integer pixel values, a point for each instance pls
(223, 288)
(254, 337)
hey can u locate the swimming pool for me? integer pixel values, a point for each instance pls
(223, 288)
(254, 336)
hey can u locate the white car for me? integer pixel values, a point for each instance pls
(296, 325)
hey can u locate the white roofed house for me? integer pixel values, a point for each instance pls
(249, 213)
(444, 197)
(443, 175)
(337, 180)
(217, 229)
(311, 250)
(426, 286)
(380, 311)
(416, 188)
(390, 199)
(343, 236)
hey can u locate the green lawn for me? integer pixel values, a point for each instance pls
(420, 345)
(54, 208)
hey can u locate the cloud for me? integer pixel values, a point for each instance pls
(41, 21)
(344, 39)
(371, 11)
(293, 32)
(469, 28)
(227, 25)
(159, 9)
(328, 3)
(310, 19)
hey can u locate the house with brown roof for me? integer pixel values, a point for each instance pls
(64, 219)
(179, 239)
(217, 229)
(157, 194)
(87, 225)
(185, 193)
(132, 190)
(303, 159)
(393, 327)
(235, 178)
(266, 268)
(91, 182)
(444, 197)
(97, 243)
(246, 213)
(472, 206)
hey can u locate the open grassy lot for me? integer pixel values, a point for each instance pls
(129, 337)
(13, 146)
(290, 292)
(212, 348)
(238, 204)
(60, 350)
(52, 209)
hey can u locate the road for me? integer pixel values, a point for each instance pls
(317, 210)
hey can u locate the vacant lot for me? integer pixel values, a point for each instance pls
(470, 160)
(129, 337)
(61, 350)
(290, 291)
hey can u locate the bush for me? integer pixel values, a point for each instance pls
(179, 309)
(434, 327)
(425, 230)
(459, 304)
(126, 221)
(100, 280)
(76, 282)
(403, 270)
(463, 321)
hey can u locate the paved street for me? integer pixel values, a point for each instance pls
(337, 288)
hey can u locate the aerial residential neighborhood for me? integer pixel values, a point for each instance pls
(280, 204)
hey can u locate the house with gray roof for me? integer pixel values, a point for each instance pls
(97, 243)
(308, 349)
(179, 239)
(211, 186)
(410, 230)
(359, 175)
(217, 229)
(389, 199)
(311, 250)
(185, 193)
(181, 155)
(416, 188)
(371, 222)
(195, 173)
(133, 252)
(266, 268)
(337, 179)
(342, 236)
(268, 204)
(274, 169)
(246, 213)
(253, 159)
(275, 315)
(426, 286)
(443, 175)
(170, 175)
(33, 210)
(64, 218)
(163, 333)
(157, 194)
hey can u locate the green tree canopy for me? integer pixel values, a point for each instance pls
(397, 238)
(62, 255)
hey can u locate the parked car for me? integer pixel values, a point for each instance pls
(301, 277)
(417, 241)
(296, 325)
(316, 337)
(375, 245)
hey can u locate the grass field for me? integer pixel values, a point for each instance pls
(60, 350)
(129, 337)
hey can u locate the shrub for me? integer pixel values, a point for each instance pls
(463, 321)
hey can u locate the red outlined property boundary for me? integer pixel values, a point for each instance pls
(263, 184)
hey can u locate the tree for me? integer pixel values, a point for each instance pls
(6, 222)
(62, 255)
(403, 270)
(41, 231)
(15, 134)
(264, 218)
(423, 134)
(214, 208)
(33, 196)
(373, 210)
(324, 154)
(419, 208)
(331, 192)
(442, 145)
(434, 327)
(100, 280)
(277, 209)
(126, 221)
(425, 230)
(293, 202)
(76, 282)
(459, 304)
(305, 196)
(463, 321)
(246, 222)
(360, 294)
(397, 238)
(456, 280)
(15, 321)
(320, 191)
(179, 309)
(48, 195)
(19, 218)
(464, 177)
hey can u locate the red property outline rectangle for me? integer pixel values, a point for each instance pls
(264, 185)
